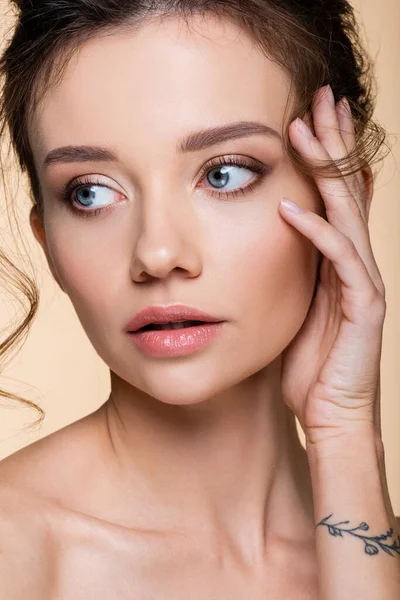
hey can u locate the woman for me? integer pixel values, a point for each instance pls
(159, 139)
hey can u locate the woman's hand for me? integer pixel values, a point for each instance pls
(331, 378)
(331, 370)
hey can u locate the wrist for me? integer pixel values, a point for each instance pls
(358, 442)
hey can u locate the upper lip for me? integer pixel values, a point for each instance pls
(168, 314)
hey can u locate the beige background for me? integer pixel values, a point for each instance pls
(58, 368)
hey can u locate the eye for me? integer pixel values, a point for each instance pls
(92, 194)
(88, 197)
(88, 193)
(227, 175)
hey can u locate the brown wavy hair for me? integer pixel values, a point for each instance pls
(315, 42)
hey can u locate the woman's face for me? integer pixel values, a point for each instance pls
(167, 234)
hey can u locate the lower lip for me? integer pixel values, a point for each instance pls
(176, 342)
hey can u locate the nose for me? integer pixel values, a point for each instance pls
(168, 240)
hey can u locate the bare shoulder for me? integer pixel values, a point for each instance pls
(32, 482)
(24, 555)
(50, 466)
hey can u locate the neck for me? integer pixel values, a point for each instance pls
(229, 468)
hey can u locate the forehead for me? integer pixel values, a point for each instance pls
(158, 82)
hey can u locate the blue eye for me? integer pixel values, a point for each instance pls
(90, 193)
(227, 166)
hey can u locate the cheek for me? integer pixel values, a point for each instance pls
(80, 265)
(272, 283)
(258, 271)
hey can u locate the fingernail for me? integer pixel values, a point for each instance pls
(303, 128)
(291, 206)
(345, 104)
(329, 95)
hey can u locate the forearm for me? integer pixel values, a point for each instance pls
(381, 459)
(348, 485)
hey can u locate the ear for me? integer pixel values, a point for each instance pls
(369, 186)
(40, 235)
(37, 227)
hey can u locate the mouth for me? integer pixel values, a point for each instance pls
(170, 326)
(171, 317)
(162, 340)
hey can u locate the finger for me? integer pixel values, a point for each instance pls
(341, 208)
(347, 130)
(362, 303)
(328, 125)
(346, 124)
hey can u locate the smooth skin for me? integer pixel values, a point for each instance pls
(190, 480)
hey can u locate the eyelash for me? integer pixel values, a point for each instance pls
(260, 169)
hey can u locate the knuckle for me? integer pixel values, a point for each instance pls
(378, 306)
(347, 248)
(380, 286)
(381, 305)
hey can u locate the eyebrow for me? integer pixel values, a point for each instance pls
(193, 142)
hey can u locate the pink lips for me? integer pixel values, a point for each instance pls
(168, 314)
(173, 342)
